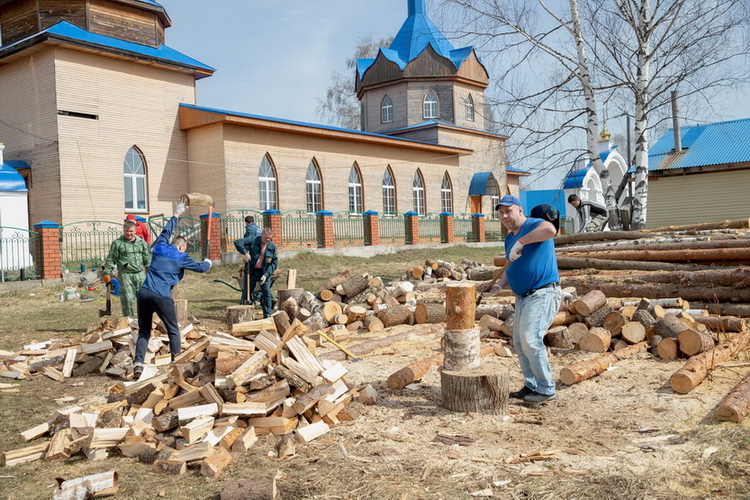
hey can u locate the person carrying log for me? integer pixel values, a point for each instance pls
(593, 216)
(168, 264)
(261, 261)
(533, 277)
(130, 254)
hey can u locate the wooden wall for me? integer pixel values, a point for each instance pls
(18, 20)
(124, 22)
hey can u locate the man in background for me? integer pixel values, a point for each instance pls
(130, 254)
(592, 215)
(251, 228)
(141, 229)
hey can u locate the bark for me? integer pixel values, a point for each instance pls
(736, 276)
(335, 281)
(655, 290)
(741, 310)
(590, 302)
(567, 239)
(692, 342)
(460, 304)
(429, 313)
(565, 262)
(591, 368)
(685, 255)
(483, 391)
(597, 317)
(680, 244)
(727, 224)
(354, 285)
(643, 78)
(736, 404)
(696, 369)
(461, 348)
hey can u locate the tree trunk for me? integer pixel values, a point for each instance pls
(461, 348)
(597, 340)
(353, 285)
(392, 316)
(696, 369)
(330, 310)
(727, 224)
(643, 79)
(567, 239)
(429, 313)
(460, 304)
(591, 368)
(483, 391)
(685, 255)
(335, 281)
(679, 243)
(590, 302)
(239, 314)
(655, 290)
(736, 404)
(290, 307)
(565, 262)
(692, 342)
(723, 323)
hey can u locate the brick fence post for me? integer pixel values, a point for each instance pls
(324, 228)
(48, 250)
(411, 219)
(477, 227)
(272, 219)
(214, 239)
(372, 228)
(447, 234)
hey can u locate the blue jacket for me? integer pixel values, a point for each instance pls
(271, 260)
(251, 231)
(242, 245)
(168, 264)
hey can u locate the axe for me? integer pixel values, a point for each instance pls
(108, 310)
(498, 274)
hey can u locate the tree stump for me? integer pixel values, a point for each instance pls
(239, 314)
(461, 349)
(484, 390)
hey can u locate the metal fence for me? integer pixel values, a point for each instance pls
(18, 253)
(298, 230)
(463, 228)
(233, 226)
(392, 228)
(188, 228)
(429, 228)
(494, 230)
(85, 244)
(348, 229)
(567, 225)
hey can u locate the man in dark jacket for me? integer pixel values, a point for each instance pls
(251, 228)
(168, 264)
(261, 261)
(595, 219)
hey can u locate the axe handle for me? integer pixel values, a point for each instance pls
(499, 274)
(336, 344)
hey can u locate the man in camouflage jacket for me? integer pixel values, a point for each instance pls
(131, 255)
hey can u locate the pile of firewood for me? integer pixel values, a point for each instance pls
(106, 348)
(216, 397)
(440, 270)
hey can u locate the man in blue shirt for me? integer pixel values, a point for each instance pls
(533, 277)
(167, 267)
(251, 228)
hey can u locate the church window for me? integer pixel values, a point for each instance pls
(386, 110)
(418, 193)
(355, 190)
(446, 194)
(389, 193)
(430, 105)
(313, 189)
(267, 185)
(134, 168)
(469, 108)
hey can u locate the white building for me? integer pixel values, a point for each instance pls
(15, 251)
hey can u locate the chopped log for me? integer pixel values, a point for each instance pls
(702, 255)
(645, 318)
(736, 404)
(614, 321)
(214, 465)
(355, 326)
(392, 316)
(499, 311)
(483, 390)
(576, 331)
(668, 348)
(250, 489)
(239, 314)
(353, 285)
(355, 312)
(325, 295)
(563, 318)
(461, 349)
(597, 317)
(597, 340)
(670, 327)
(340, 319)
(281, 321)
(723, 323)
(697, 293)
(329, 311)
(460, 306)
(628, 311)
(334, 281)
(633, 332)
(692, 342)
(373, 323)
(508, 325)
(35, 432)
(303, 314)
(657, 311)
(590, 302)
(308, 301)
(490, 323)
(584, 370)
(429, 313)
(368, 396)
(414, 371)
(558, 337)
(565, 262)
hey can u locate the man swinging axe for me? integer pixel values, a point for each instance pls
(167, 268)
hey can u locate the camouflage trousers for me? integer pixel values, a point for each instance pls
(596, 223)
(130, 283)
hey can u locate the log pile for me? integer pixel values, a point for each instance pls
(217, 396)
(435, 271)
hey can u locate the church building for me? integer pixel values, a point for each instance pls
(101, 119)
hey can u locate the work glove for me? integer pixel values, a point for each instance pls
(568, 298)
(210, 263)
(106, 279)
(246, 257)
(179, 208)
(262, 279)
(515, 251)
(496, 288)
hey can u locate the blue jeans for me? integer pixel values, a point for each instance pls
(534, 314)
(265, 291)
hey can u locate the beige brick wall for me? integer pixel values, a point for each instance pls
(136, 105)
(29, 128)
(461, 91)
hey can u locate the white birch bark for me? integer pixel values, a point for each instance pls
(640, 197)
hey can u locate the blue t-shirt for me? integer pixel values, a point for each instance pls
(537, 265)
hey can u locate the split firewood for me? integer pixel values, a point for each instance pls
(353, 285)
(697, 368)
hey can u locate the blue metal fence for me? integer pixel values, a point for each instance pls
(348, 229)
(298, 229)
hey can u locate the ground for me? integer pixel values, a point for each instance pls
(624, 434)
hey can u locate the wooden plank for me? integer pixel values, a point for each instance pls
(248, 369)
(313, 431)
(291, 279)
(252, 409)
(192, 412)
(35, 432)
(70, 359)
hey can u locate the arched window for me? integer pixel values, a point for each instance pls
(389, 192)
(267, 184)
(355, 190)
(430, 105)
(469, 108)
(418, 192)
(386, 110)
(313, 188)
(494, 200)
(446, 194)
(134, 168)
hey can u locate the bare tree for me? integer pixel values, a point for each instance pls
(340, 105)
(698, 47)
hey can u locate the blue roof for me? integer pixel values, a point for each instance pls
(69, 32)
(720, 143)
(307, 124)
(518, 170)
(479, 183)
(575, 179)
(10, 179)
(416, 34)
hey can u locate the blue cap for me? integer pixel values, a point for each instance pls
(507, 201)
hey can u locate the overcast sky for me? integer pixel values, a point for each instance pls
(275, 57)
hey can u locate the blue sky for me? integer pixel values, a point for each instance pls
(275, 57)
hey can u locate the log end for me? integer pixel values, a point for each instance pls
(568, 376)
(681, 383)
(728, 414)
